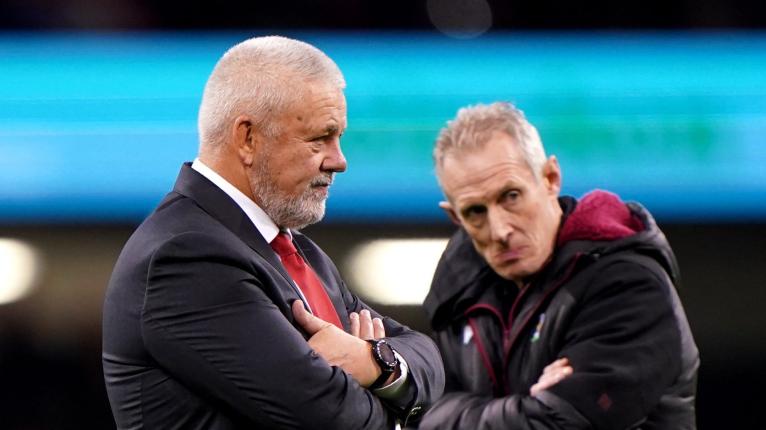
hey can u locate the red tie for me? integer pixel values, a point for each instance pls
(306, 279)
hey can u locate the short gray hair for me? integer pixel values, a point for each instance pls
(261, 77)
(474, 125)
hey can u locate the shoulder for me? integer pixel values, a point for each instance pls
(624, 277)
(629, 266)
(177, 220)
(460, 259)
(178, 213)
(195, 242)
(178, 230)
(462, 276)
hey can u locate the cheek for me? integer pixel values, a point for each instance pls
(533, 219)
(307, 166)
(479, 244)
(298, 169)
(542, 236)
(479, 235)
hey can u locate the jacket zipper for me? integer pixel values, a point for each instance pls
(509, 345)
(500, 386)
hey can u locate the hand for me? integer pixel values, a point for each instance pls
(365, 327)
(552, 375)
(349, 352)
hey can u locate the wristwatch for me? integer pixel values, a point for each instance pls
(384, 355)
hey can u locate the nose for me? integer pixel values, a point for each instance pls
(334, 160)
(500, 227)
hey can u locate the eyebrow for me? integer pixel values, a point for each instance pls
(332, 128)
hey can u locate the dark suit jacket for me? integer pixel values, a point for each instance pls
(198, 332)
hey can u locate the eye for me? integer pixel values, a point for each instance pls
(474, 214)
(511, 196)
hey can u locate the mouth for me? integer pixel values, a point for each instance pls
(321, 187)
(322, 183)
(509, 255)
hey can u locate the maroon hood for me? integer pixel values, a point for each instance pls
(599, 215)
(598, 224)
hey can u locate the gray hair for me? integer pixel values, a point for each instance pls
(261, 77)
(474, 125)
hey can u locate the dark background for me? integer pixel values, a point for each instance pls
(51, 373)
(390, 15)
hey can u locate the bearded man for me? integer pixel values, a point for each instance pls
(219, 313)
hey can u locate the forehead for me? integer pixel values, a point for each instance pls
(318, 105)
(479, 173)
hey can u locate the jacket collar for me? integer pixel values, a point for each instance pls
(225, 210)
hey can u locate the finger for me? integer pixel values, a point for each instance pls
(377, 328)
(556, 364)
(558, 374)
(557, 368)
(365, 325)
(539, 387)
(308, 322)
(535, 390)
(354, 317)
(545, 382)
(550, 379)
(554, 376)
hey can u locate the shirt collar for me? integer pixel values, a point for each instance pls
(260, 219)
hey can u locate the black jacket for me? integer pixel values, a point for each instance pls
(198, 331)
(606, 301)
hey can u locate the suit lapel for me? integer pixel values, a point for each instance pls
(317, 261)
(220, 206)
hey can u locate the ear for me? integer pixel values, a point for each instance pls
(552, 176)
(245, 139)
(447, 206)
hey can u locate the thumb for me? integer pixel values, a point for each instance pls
(308, 322)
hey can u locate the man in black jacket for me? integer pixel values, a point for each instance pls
(219, 313)
(550, 313)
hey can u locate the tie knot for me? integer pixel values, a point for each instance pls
(283, 245)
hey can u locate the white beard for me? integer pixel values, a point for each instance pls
(294, 212)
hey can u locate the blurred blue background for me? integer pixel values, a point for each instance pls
(674, 120)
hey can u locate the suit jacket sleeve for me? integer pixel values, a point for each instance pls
(623, 345)
(426, 371)
(207, 320)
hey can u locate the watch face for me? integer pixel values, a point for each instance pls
(387, 354)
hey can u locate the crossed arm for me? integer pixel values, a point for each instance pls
(209, 322)
(349, 351)
(623, 345)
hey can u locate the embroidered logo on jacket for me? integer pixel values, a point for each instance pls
(536, 334)
(467, 334)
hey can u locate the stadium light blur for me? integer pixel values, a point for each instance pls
(19, 270)
(395, 271)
